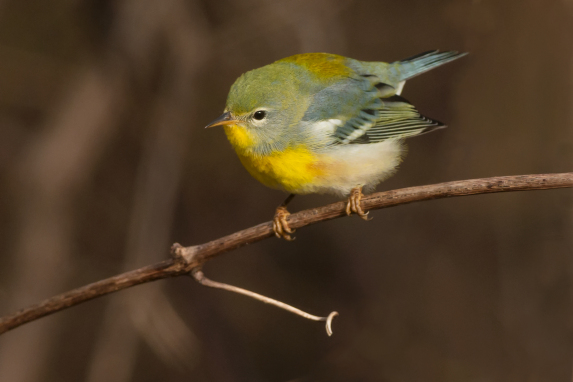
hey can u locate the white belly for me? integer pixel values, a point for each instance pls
(349, 166)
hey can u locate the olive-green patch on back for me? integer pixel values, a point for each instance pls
(323, 65)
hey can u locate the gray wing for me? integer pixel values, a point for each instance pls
(399, 119)
(389, 116)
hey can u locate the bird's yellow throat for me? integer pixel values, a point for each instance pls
(241, 139)
(292, 169)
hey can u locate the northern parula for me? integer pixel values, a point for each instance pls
(323, 123)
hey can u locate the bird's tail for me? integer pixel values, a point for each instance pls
(420, 63)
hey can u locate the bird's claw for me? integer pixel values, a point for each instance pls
(280, 224)
(353, 204)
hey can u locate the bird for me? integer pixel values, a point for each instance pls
(325, 123)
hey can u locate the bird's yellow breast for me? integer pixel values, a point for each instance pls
(294, 169)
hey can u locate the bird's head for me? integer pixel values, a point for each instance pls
(264, 108)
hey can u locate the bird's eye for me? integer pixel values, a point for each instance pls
(260, 114)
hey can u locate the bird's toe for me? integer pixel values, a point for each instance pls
(280, 224)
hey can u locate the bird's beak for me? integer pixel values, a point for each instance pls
(225, 119)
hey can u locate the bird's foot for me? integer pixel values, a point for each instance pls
(354, 203)
(280, 224)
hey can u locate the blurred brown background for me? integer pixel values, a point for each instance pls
(104, 163)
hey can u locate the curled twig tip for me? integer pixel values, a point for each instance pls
(329, 322)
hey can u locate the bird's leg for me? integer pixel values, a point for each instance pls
(354, 203)
(280, 225)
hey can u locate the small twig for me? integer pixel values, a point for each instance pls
(192, 257)
(200, 277)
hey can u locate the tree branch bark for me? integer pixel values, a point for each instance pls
(186, 259)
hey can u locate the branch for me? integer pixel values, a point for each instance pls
(200, 277)
(188, 258)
